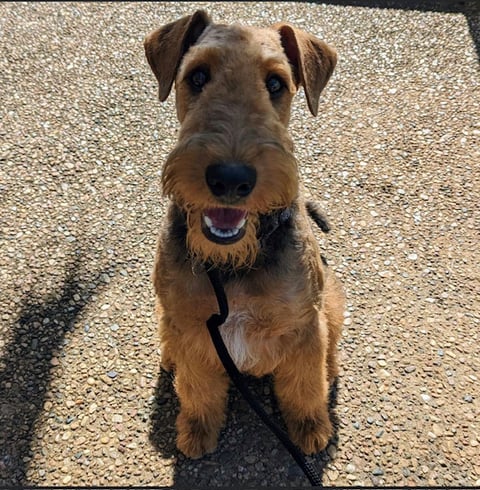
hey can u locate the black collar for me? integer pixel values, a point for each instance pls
(270, 223)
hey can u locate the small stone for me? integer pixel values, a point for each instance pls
(410, 369)
(117, 419)
(382, 362)
(412, 256)
(468, 398)
(426, 398)
(92, 408)
(333, 475)
(438, 430)
(67, 479)
(375, 481)
(105, 278)
(377, 472)
(350, 468)
(250, 458)
(106, 380)
(332, 451)
(112, 374)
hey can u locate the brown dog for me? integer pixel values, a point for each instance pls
(236, 206)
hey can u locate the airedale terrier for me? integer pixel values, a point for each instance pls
(236, 205)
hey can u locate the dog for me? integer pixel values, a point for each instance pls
(236, 205)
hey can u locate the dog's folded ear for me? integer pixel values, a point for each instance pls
(312, 59)
(166, 46)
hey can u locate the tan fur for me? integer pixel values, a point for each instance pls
(285, 316)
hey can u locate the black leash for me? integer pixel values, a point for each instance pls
(213, 323)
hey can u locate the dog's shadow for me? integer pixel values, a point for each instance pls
(248, 454)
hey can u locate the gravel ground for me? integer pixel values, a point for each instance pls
(394, 158)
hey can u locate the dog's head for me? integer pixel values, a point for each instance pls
(234, 158)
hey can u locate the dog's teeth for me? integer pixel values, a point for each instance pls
(241, 225)
(224, 233)
(208, 221)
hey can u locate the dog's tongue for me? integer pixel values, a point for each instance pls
(226, 218)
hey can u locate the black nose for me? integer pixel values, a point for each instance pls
(231, 181)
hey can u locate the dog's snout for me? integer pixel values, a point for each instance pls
(231, 181)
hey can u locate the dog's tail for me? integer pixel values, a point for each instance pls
(317, 215)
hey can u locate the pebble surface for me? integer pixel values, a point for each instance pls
(394, 159)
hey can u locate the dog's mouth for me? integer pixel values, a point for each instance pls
(224, 225)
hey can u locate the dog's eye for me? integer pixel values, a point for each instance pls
(275, 86)
(198, 78)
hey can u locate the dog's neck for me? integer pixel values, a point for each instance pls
(273, 234)
(270, 223)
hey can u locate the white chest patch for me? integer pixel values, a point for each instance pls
(234, 336)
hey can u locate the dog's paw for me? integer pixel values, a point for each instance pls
(194, 438)
(311, 435)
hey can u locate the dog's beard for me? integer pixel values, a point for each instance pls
(222, 248)
(223, 240)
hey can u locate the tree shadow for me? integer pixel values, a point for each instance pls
(248, 454)
(37, 336)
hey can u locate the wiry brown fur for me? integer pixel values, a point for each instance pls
(286, 308)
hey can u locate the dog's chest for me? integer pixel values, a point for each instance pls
(237, 336)
(256, 336)
(260, 328)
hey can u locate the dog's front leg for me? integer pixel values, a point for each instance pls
(301, 387)
(203, 393)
